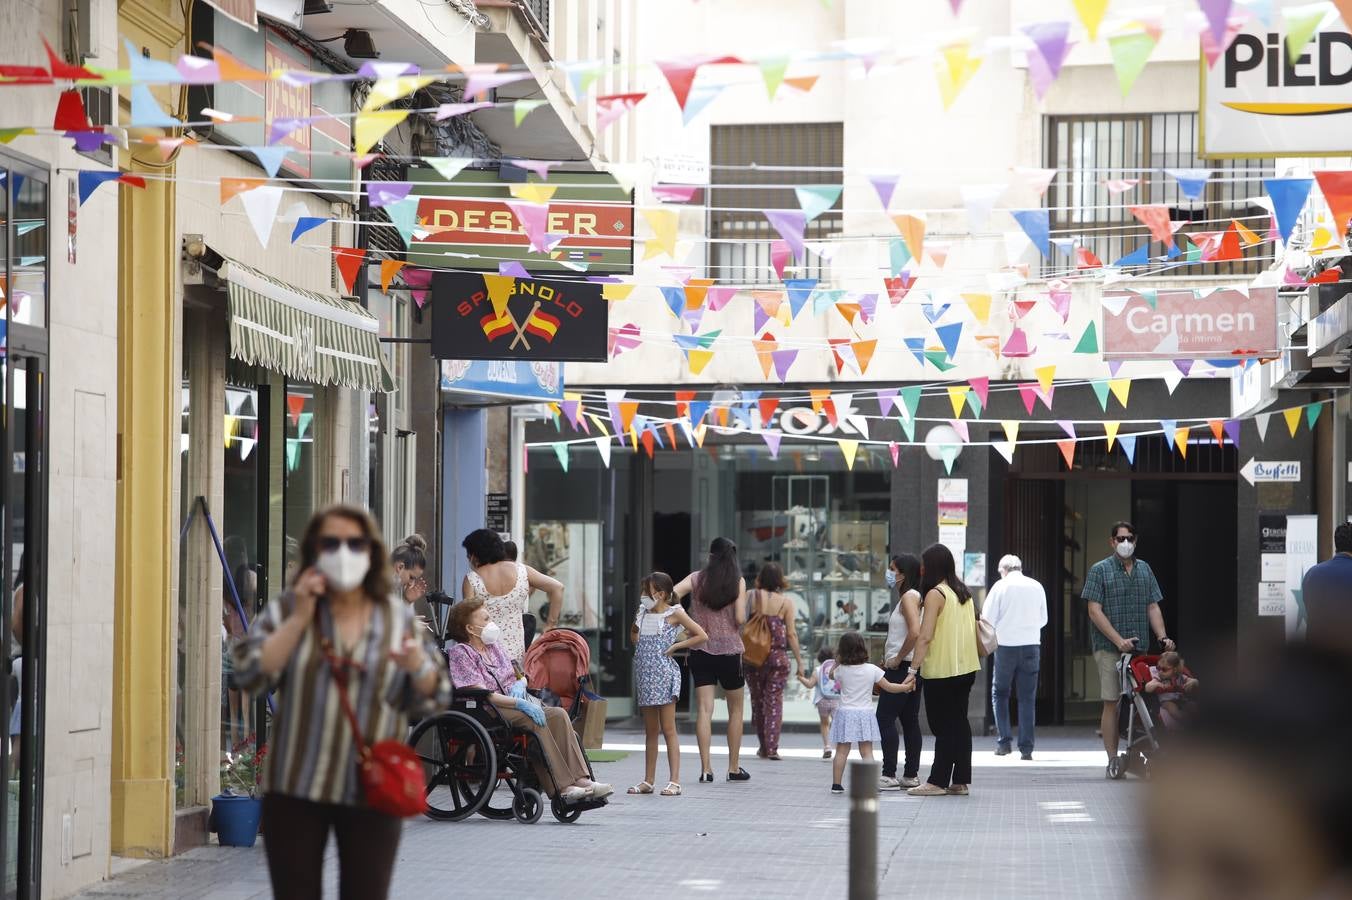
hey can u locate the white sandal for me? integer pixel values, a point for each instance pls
(671, 790)
(642, 787)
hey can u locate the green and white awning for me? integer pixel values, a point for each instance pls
(302, 334)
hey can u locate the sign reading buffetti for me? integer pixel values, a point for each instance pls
(1223, 324)
(467, 224)
(501, 317)
(1256, 101)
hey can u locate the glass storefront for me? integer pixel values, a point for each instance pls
(601, 529)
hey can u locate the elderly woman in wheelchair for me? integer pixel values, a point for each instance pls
(482, 673)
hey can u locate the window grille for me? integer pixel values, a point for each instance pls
(813, 153)
(1089, 150)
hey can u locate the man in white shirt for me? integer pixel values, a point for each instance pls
(1017, 607)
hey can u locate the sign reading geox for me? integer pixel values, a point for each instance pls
(1259, 101)
(501, 317)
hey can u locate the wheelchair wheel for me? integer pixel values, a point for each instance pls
(528, 806)
(459, 764)
(565, 813)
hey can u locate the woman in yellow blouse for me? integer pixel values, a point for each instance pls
(946, 658)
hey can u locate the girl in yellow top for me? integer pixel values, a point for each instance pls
(946, 657)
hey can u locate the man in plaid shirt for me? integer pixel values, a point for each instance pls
(1124, 606)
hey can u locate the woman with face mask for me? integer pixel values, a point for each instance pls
(410, 564)
(505, 587)
(342, 613)
(478, 660)
(903, 630)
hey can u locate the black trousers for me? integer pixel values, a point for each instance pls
(295, 832)
(946, 709)
(903, 709)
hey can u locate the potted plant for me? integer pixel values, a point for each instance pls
(235, 812)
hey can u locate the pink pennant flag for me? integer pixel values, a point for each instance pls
(611, 107)
(534, 219)
(960, 426)
(676, 193)
(1017, 345)
(1037, 179)
(1028, 394)
(1060, 301)
(790, 224)
(895, 451)
(1156, 218)
(981, 386)
(779, 257)
(451, 110)
(1120, 185)
(480, 82)
(623, 339)
(719, 297)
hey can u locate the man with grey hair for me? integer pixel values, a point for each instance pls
(1017, 607)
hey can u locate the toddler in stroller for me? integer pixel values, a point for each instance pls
(1171, 684)
(1143, 693)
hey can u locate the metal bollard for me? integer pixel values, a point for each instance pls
(863, 875)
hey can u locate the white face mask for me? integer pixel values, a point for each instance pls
(647, 602)
(344, 568)
(890, 577)
(490, 634)
(1126, 548)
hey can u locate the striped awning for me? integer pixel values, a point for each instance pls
(302, 334)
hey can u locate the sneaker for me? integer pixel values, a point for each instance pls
(959, 790)
(927, 790)
(1025, 755)
(837, 788)
(909, 781)
(1002, 750)
(888, 783)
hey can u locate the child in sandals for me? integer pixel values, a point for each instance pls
(657, 677)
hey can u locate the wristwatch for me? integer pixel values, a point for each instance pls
(910, 671)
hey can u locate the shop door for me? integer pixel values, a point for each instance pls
(1033, 512)
(23, 433)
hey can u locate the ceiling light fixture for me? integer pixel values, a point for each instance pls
(357, 44)
(317, 7)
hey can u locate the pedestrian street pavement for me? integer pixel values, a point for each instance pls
(1052, 828)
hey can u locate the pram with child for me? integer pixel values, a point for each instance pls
(1155, 697)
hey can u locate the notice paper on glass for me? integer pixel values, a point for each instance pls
(974, 569)
(952, 490)
(1273, 566)
(1272, 598)
(954, 537)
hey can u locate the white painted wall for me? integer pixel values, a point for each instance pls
(82, 309)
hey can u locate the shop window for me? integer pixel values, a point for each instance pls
(28, 262)
(1088, 151)
(242, 469)
(301, 465)
(801, 153)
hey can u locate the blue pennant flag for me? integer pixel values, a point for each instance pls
(304, 224)
(1037, 224)
(917, 347)
(675, 297)
(949, 336)
(1138, 257)
(89, 183)
(1288, 199)
(800, 289)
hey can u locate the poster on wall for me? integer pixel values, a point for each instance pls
(570, 552)
(1256, 102)
(1302, 553)
(1272, 548)
(507, 318)
(974, 569)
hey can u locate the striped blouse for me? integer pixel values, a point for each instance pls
(311, 752)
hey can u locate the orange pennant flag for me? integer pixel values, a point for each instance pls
(1218, 429)
(863, 354)
(233, 187)
(232, 69)
(722, 415)
(627, 411)
(764, 349)
(1337, 190)
(695, 290)
(1181, 440)
(1067, 448)
(671, 434)
(349, 261)
(848, 311)
(912, 230)
(648, 441)
(1246, 234)
(806, 83)
(388, 269)
(819, 399)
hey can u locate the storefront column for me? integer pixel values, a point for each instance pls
(466, 488)
(147, 536)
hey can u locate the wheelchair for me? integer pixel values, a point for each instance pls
(469, 751)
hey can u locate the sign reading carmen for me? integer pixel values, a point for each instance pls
(1225, 323)
(501, 317)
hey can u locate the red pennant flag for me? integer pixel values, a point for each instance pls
(1067, 449)
(1156, 218)
(768, 406)
(70, 113)
(1337, 190)
(671, 434)
(647, 441)
(295, 405)
(1087, 259)
(62, 69)
(681, 77)
(350, 261)
(683, 399)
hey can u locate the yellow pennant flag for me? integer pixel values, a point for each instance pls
(1011, 428)
(848, 449)
(698, 359)
(616, 291)
(1045, 376)
(387, 90)
(1121, 388)
(954, 69)
(230, 422)
(980, 305)
(599, 423)
(1091, 14)
(1292, 417)
(370, 127)
(1110, 429)
(500, 288)
(534, 193)
(663, 222)
(700, 431)
(958, 397)
(1181, 440)
(523, 108)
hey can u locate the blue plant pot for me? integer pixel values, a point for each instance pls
(235, 819)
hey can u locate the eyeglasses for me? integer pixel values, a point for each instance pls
(328, 543)
(1123, 538)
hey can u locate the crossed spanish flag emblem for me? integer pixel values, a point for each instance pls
(501, 322)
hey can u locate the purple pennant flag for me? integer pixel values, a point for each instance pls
(1232, 430)
(1184, 366)
(783, 360)
(868, 306)
(1039, 74)
(1217, 14)
(280, 128)
(772, 439)
(885, 185)
(1068, 427)
(693, 317)
(374, 69)
(383, 193)
(1050, 38)
(513, 268)
(1114, 366)
(89, 141)
(790, 224)
(887, 401)
(570, 409)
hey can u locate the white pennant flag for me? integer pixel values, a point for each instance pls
(603, 447)
(980, 200)
(1173, 379)
(1016, 245)
(447, 166)
(260, 204)
(1037, 179)
(1261, 421)
(1005, 449)
(246, 446)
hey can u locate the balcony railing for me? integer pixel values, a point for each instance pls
(538, 10)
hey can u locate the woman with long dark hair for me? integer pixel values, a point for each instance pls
(946, 659)
(903, 632)
(505, 587)
(718, 605)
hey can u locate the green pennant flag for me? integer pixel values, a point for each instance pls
(1312, 411)
(1151, 296)
(292, 454)
(900, 255)
(561, 451)
(1089, 343)
(908, 426)
(1301, 24)
(949, 452)
(940, 359)
(910, 400)
(1130, 52)
(815, 199)
(523, 108)
(772, 70)
(974, 403)
(1100, 391)
(404, 216)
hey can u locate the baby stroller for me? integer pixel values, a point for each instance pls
(1138, 714)
(558, 665)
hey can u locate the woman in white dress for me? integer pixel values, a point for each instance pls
(505, 588)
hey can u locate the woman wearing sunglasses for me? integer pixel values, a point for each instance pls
(341, 613)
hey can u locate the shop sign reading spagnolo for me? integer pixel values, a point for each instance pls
(501, 317)
(1257, 101)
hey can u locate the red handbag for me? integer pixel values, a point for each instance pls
(390, 772)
